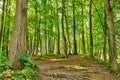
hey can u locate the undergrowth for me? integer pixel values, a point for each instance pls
(115, 73)
(27, 73)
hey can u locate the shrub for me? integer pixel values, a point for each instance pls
(27, 73)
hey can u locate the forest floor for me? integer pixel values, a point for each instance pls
(72, 68)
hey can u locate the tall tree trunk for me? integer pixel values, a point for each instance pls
(74, 28)
(8, 31)
(50, 38)
(18, 39)
(39, 36)
(58, 29)
(108, 9)
(105, 36)
(90, 24)
(46, 36)
(2, 22)
(36, 29)
(63, 32)
(5, 27)
(83, 38)
(67, 30)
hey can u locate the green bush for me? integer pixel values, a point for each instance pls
(2, 56)
(27, 73)
(23, 58)
(4, 64)
(27, 61)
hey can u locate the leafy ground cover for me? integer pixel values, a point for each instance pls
(27, 73)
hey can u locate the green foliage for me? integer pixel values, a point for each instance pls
(2, 56)
(27, 61)
(23, 58)
(34, 64)
(118, 65)
(102, 61)
(4, 65)
(27, 73)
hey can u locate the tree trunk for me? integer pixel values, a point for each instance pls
(63, 32)
(108, 9)
(83, 38)
(36, 29)
(8, 24)
(67, 30)
(58, 30)
(18, 39)
(105, 36)
(39, 36)
(74, 29)
(46, 36)
(2, 23)
(90, 24)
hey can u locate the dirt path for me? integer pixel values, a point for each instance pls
(73, 68)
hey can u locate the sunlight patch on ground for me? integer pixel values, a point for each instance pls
(58, 59)
(77, 67)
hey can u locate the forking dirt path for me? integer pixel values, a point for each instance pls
(73, 68)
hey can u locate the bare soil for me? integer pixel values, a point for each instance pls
(72, 68)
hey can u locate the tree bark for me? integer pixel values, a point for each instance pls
(58, 30)
(63, 32)
(108, 9)
(2, 23)
(74, 28)
(67, 30)
(105, 36)
(83, 38)
(90, 24)
(18, 39)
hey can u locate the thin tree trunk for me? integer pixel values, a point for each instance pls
(83, 38)
(74, 29)
(2, 23)
(46, 37)
(36, 29)
(8, 31)
(67, 30)
(63, 32)
(90, 24)
(50, 38)
(39, 36)
(58, 30)
(4, 36)
(105, 36)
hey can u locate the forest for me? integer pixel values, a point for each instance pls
(59, 40)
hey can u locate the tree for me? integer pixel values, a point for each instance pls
(90, 24)
(2, 22)
(83, 38)
(18, 39)
(67, 30)
(45, 24)
(58, 29)
(74, 28)
(105, 36)
(63, 32)
(112, 44)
